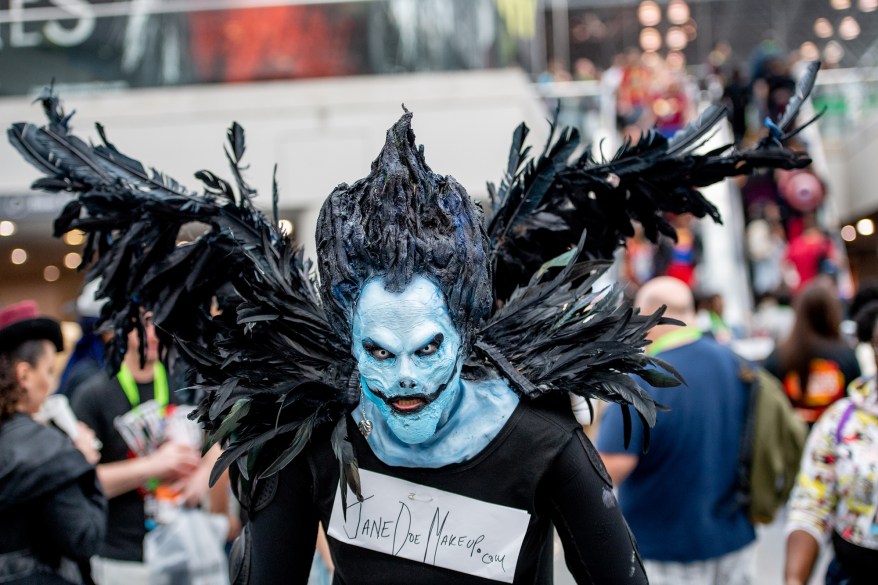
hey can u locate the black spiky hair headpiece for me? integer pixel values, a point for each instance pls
(400, 221)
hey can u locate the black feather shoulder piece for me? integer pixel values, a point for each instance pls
(271, 365)
(544, 204)
(562, 334)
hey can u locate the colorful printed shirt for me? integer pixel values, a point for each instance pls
(837, 487)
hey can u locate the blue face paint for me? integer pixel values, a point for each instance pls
(408, 354)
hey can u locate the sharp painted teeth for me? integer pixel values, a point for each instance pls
(408, 402)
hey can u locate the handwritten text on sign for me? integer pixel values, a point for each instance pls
(431, 526)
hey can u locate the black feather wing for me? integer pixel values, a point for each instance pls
(786, 124)
(561, 334)
(544, 204)
(271, 367)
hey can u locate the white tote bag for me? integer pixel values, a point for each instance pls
(190, 550)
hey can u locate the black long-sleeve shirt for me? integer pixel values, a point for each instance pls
(540, 462)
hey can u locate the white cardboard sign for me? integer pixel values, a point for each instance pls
(431, 526)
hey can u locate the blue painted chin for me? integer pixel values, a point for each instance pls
(475, 414)
(419, 423)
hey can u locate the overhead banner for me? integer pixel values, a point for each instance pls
(109, 44)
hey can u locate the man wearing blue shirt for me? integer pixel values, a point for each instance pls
(679, 497)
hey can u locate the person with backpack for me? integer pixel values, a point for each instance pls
(814, 363)
(678, 485)
(836, 494)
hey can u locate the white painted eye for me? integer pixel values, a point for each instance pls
(431, 347)
(380, 354)
(428, 349)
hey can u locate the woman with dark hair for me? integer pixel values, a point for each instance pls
(52, 512)
(835, 493)
(813, 362)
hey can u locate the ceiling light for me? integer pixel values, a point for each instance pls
(7, 228)
(74, 237)
(51, 273)
(849, 28)
(676, 39)
(868, 5)
(840, 4)
(649, 13)
(809, 51)
(18, 256)
(650, 40)
(866, 227)
(833, 53)
(823, 28)
(286, 226)
(72, 260)
(678, 11)
(848, 233)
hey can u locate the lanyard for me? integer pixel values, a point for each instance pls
(673, 339)
(159, 384)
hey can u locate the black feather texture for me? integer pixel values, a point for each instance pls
(544, 204)
(785, 128)
(560, 335)
(271, 366)
(276, 365)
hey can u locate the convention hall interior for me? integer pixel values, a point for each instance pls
(315, 84)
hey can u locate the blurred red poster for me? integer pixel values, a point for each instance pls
(276, 42)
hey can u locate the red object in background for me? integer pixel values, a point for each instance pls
(801, 189)
(275, 42)
(806, 252)
(20, 311)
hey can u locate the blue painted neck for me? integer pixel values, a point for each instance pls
(478, 412)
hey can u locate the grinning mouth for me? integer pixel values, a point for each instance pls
(411, 403)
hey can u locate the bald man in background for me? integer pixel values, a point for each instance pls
(679, 498)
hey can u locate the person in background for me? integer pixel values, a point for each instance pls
(709, 317)
(122, 475)
(766, 249)
(87, 357)
(773, 317)
(813, 362)
(867, 291)
(836, 490)
(52, 512)
(809, 254)
(680, 258)
(637, 265)
(679, 496)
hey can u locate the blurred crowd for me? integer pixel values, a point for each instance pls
(784, 211)
(818, 356)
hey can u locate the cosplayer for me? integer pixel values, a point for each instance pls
(416, 401)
